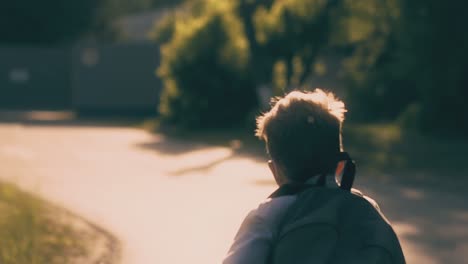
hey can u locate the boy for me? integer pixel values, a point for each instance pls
(302, 133)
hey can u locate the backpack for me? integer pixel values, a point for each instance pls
(335, 226)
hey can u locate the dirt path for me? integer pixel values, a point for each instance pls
(175, 202)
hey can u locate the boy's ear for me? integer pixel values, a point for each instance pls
(272, 167)
(276, 173)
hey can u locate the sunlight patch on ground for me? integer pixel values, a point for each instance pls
(413, 253)
(17, 151)
(412, 193)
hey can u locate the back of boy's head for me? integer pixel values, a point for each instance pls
(302, 132)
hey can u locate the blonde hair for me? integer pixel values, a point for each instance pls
(302, 131)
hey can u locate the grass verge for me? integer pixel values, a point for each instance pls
(407, 155)
(29, 232)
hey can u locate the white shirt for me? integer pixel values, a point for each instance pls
(252, 243)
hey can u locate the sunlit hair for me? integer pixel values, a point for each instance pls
(302, 132)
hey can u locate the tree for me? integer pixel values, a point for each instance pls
(203, 67)
(434, 42)
(377, 83)
(295, 32)
(396, 54)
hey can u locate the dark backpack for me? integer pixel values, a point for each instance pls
(339, 225)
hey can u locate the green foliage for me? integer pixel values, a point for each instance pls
(164, 29)
(204, 70)
(294, 31)
(413, 63)
(287, 19)
(29, 235)
(373, 69)
(396, 55)
(225, 49)
(434, 42)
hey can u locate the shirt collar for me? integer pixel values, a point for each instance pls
(296, 188)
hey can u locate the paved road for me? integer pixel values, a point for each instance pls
(175, 202)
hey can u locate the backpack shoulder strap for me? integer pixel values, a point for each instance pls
(283, 190)
(300, 190)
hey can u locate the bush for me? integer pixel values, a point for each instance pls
(204, 71)
(413, 66)
(395, 55)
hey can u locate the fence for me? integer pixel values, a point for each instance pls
(99, 78)
(34, 78)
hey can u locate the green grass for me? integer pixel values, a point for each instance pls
(29, 233)
(408, 155)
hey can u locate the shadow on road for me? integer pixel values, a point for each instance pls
(434, 221)
(230, 146)
(164, 145)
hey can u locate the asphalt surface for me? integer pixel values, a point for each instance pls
(173, 201)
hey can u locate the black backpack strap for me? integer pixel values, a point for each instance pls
(283, 190)
(346, 183)
(349, 171)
